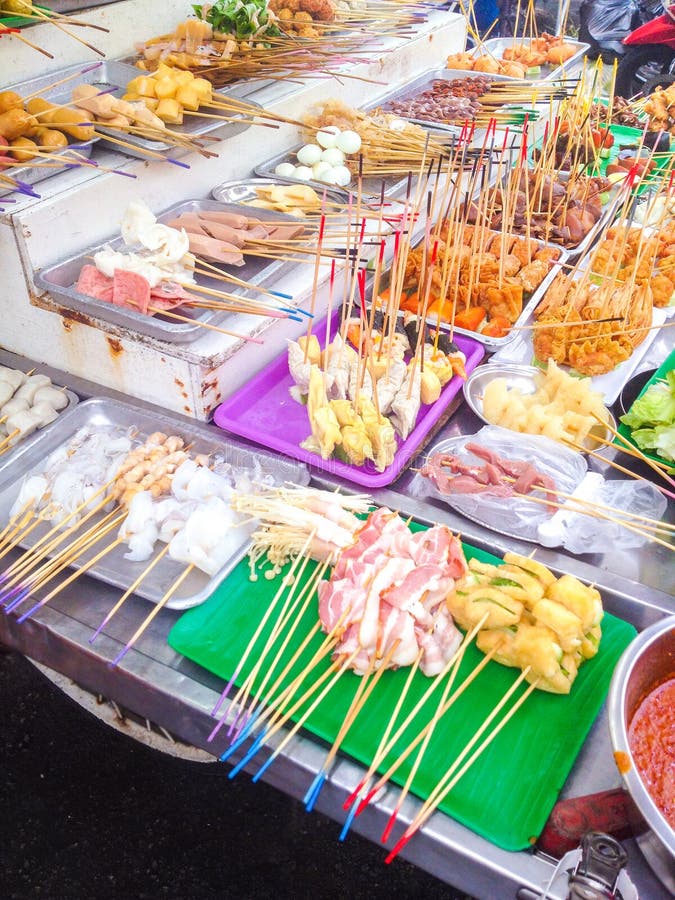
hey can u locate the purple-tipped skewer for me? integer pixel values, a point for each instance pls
(176, 162)
(10, 607)
(30, 612)
(7, 594)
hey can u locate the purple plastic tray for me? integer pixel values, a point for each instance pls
(263, 411)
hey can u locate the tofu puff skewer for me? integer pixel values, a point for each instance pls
(536, 620)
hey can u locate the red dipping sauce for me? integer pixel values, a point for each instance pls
(651, 737)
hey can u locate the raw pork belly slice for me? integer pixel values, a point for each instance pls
(387, 592)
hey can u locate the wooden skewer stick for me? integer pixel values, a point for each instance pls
(338, 669)
(81, 571)
(56, 535)
(152, 614)
(125, 596)
(285, 582)
(24, 40)
(366, 686)
(66, 557)
(54, 15)
(616, 466)
(241, 698)
(645, 459)
(294, 615)
(60, 27)
(631, 452)
(385, 748)
(429, 729)
(430, 805)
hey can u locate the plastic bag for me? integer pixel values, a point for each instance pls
(608, 20)
(517, 516)
(521, 518)
(579, 533)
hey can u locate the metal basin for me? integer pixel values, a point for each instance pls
(646, 663)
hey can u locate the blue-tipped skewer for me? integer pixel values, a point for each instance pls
(312, 794)
(236, 744)
(350, 818)
(257, 744)
(282, 295)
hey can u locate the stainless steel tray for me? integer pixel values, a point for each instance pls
(111, 73)
(60, 279)
(492, 344)
(113, 568)
(424, 82)
(525, 379)
(27, 365)
(244, 190)
(372, 187)
(35, 174)
(496, 46)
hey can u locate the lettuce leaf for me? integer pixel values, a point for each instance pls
(660, 440)
(655, 407)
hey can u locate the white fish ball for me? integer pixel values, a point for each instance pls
(327, 136)
(349, 142)
(333, 156)
(285, 170)
(309, 154)
(302, 173)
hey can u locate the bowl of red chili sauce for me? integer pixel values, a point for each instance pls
(641, 707)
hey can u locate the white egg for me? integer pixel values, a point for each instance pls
(333, 156)
(309, 154)
(397, 125)
(327, 136)
(328, 177)
(302, 173)
(348, 142)
(319, 168)
(285, 170)
(342, 175)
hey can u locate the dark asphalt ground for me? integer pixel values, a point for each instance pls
(89, 813)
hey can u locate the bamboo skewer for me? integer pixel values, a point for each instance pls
(152, 614)
(61, 28)
(132, 589)
(15, 33)
(440, 794)
(645, 459)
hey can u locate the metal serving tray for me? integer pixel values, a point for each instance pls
(35, 174)
(496, 46)
(109, 74)
(113, 568)
(60, 279)
(424, 82)
(372, 187)
(493, 344)
(34, 368)
(244, 190)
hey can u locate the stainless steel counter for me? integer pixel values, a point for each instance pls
(158, 684)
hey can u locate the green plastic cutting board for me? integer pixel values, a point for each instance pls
(666, 366)
(507, 795)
